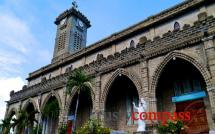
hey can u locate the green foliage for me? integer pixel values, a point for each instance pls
(62, 129)
(5, 126)
(171, 127)
(80, 81)
(93, 126)
(24, 120)
(51, 109)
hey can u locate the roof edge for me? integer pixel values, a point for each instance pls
(163, 15)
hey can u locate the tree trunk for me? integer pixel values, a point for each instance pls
(76, 109)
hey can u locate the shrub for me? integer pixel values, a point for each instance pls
(62, 129)
(93, 126)
(171, 127)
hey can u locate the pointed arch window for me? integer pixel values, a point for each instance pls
(177, 26)
(132, 43)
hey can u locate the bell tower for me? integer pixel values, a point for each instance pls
(71, 34)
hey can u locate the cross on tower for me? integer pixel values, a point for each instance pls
(74, 4)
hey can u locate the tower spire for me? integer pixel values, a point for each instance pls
(71, 33)
(74, 4)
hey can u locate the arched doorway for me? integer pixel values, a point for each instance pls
(31, 111)
(118, 104)
(50, 116)
(84, 109)
(181, 88)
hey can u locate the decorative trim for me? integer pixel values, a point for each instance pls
(74, 12)
(40, 88)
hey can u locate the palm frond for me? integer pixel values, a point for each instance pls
(79, 80)
(51, 109)
(24, 120)
(5, 126)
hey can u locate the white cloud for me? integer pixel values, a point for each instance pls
(19, 50)
(7, 85)
(16, 44)
(15, 33)
(10, 63)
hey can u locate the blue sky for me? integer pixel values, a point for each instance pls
(27, 31)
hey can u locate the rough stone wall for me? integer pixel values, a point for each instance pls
(144, 73)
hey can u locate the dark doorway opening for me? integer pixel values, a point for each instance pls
(178, 80)
(84, 108)
(118, 106)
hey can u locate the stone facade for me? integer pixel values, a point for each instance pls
(156, 44)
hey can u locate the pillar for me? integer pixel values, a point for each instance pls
(97, 91)
(209, 48)
(63, 113)
(148, 95)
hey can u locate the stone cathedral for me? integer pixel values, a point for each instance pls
(168, 59)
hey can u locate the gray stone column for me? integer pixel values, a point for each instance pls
(209, 47)
(39, 115)
(210, 108)
(146, 94)
(96, 101)
(101, 115)
(144, 74)
(63, 115)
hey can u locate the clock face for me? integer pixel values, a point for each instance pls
(80, 23)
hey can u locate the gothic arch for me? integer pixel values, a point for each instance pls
(116, 73)
(9, 113)
(56, 95)
(69, 100)
(204, 72)
(30, 100)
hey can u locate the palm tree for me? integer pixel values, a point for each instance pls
(5, 126)
(79, 81)
(24, 120)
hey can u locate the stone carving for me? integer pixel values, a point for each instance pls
(24, 87)
(43, 79)
(202, 16)
(143, 40)
(12, 93)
